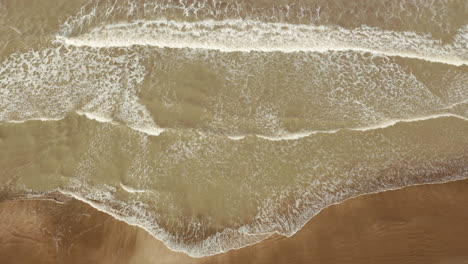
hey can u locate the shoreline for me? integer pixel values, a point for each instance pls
(116, 217)
(64, 199)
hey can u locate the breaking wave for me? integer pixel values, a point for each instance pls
(247, 36)
(213, 125)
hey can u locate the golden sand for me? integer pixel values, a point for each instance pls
(419, 224)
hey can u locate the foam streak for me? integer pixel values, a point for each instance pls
(388, 123)
(247, 36)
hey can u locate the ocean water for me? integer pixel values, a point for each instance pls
(214, 124)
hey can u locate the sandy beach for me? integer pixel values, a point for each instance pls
(233, 131)
(418, 224)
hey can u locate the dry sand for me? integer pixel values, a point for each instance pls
(419, 224)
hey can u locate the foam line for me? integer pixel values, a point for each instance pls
(134, 222)
(149, 130)
(42, 119)
(285, 136)
(130, 189)
(236, 137)
(388, 123)
(406, 120)
(456, 104)
(149, 227)
(294, 136)
(52, 82)
(247, 35)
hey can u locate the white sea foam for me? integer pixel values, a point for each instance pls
(138, 220)
(245, 36)
(130, 189)
(236, 137)
(294, 136)
(65, 80)
(456, 104)
(43, 119)
(49, 84)
(279, 137)
(304, 134)
(151, 130)
(313, 198)
(392, 122)
(385, 124)
(148, 226)
(95, 116)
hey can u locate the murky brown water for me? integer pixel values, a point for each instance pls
(213, 124)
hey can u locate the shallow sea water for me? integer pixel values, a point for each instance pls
(213, 124)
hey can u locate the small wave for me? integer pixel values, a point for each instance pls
(246, 36)
(456, 104)
(406, 120)
(43, 119)
(151, 130)
(305, 194)
(50, 83)
(154, 131)
(257, 237)
(389, 123)
(160, 235)
(95, 116)
(130, 189)
(295, 136)
(236, 137)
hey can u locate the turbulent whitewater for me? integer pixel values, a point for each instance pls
(214, 124)
(246, 36)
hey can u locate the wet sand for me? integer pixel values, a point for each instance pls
(190, 117)
(418, 224)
